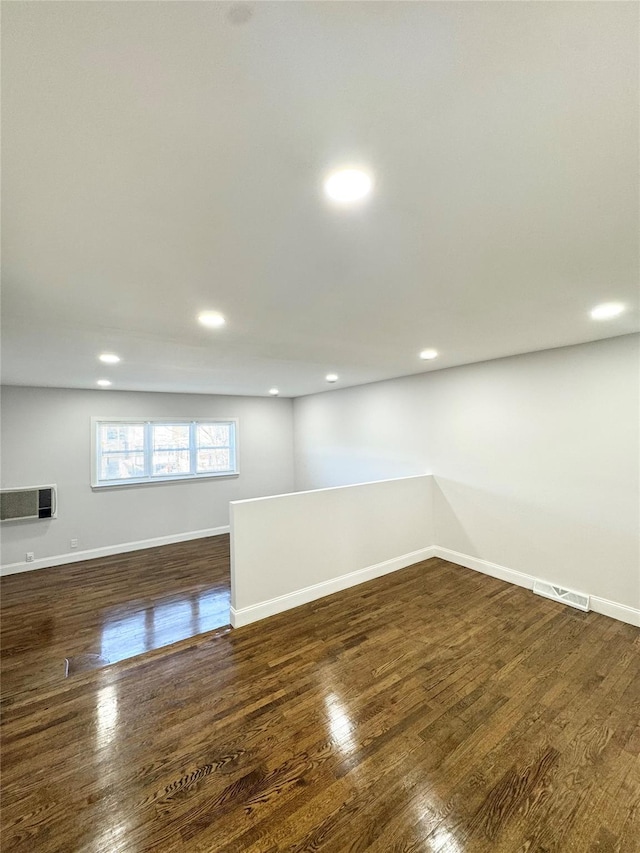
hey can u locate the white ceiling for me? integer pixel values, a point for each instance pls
(164, 158)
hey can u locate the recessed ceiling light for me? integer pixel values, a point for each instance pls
(109, 358)
(607, 311)
(331, 377)
(274, 392)
(348, 185)
(211, 319)
(428, 354)
(103, 383)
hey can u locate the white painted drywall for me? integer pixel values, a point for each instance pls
(535, 458)
(46, 438)
(288, 543)
(372, 432)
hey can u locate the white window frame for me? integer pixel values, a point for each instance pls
(150, 479)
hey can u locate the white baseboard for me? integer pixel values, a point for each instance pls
(621, 612)
(484, 566)
(616, 611)
(108, 550)
(246, 615)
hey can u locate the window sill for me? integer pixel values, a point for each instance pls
(162, 481)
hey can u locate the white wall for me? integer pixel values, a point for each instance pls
(535, 458)
(46, 438)
(290, 549)
(370, 432)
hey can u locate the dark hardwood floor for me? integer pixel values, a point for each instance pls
(107, 610)
(434, 709)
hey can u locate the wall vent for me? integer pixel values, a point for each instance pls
(28, 503)
(565, 596)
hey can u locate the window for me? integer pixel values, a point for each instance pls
(139, 451)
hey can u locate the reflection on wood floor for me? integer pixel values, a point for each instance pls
(68, 619)
(433, 710)
(163, 623)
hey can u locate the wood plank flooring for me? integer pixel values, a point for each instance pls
(434, 709)
(111, 609)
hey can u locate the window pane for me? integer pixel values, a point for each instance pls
(170, 462)
(170, 436)
(214, 460)
(121, 437)
(124, 453)
(121, 466)
(214, 435)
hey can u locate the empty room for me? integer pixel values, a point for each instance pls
(320, 427)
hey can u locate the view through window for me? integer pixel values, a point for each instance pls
(148, 451)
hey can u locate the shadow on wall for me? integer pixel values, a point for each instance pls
(497, 525)
(449, 531)
(558, 539)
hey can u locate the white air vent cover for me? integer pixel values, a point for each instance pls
(558, 593)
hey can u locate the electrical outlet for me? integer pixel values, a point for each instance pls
(74, 543)
(29, 556)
